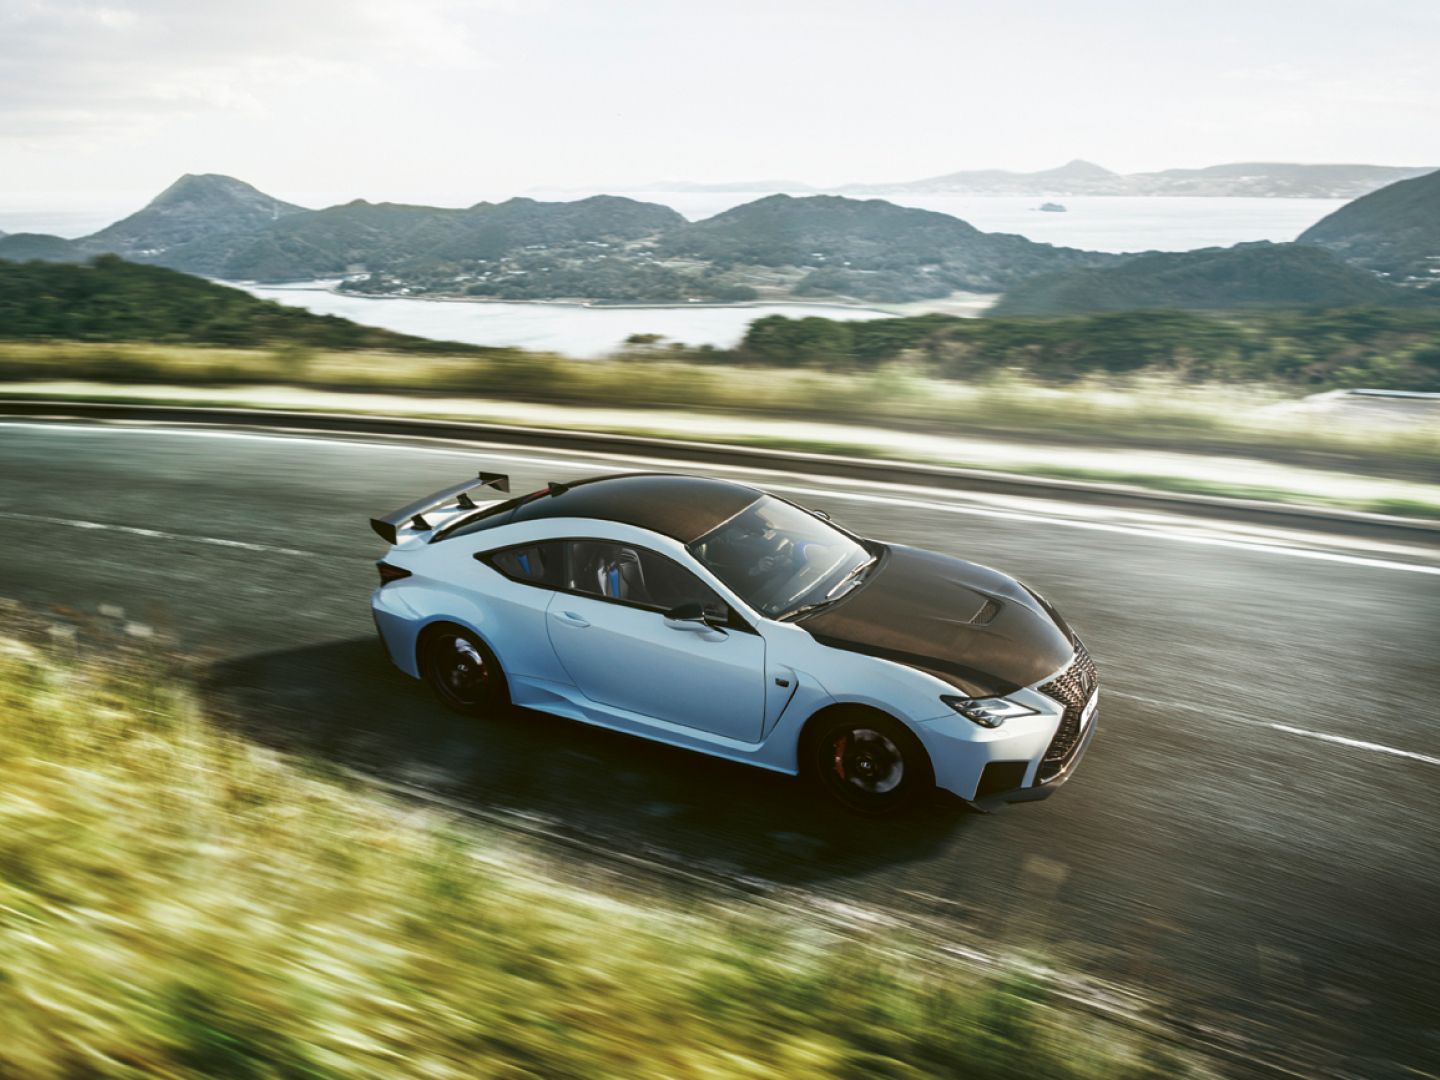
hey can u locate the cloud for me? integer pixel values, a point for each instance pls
(73, 68)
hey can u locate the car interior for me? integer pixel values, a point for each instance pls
(610, 570)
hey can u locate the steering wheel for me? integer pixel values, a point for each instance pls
(782, 555)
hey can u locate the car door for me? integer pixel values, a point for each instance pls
(610, 633)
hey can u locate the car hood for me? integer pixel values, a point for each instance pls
(975, 628)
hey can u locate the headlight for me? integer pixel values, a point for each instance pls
(988, 712)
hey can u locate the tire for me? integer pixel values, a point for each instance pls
(869, 762)
(462, 672)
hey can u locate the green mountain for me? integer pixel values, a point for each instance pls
(1261, 275)
(1394, 231)
(193, 208)
(868, 249)
(604, 248)
(322, 243)
(109, 299)
(421, 240)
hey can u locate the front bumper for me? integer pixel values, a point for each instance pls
(1043, 789)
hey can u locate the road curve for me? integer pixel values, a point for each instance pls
(1253, 837)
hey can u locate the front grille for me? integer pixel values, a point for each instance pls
(1072, 688)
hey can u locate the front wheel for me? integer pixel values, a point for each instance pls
(463, 672)
(870, 762)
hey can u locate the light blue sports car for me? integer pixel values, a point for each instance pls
(714, 616)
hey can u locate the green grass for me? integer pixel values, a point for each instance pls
(1406, 508)
(175, 901)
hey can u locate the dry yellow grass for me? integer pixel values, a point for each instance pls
(175, 901)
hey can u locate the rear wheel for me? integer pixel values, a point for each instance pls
(869, 761)
(463, 672)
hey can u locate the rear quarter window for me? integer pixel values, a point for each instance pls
(537, 564)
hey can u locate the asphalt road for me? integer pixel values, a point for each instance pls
(1252, 838)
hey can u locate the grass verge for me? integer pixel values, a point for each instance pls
(175, 901)
(1303, 483)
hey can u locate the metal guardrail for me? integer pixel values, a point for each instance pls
(1345, 522)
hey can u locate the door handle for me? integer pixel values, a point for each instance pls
(569, 618)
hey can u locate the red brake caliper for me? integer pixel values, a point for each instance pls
(840, 744)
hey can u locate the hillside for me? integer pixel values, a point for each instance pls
(109, 299)
(21, 247)
(1394, 231)
(868, 249)
(1245, 276)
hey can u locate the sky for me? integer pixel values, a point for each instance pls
(451, 101)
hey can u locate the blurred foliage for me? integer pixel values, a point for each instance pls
(176, 901)
(1391, 348)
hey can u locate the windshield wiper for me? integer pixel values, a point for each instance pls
(830, 597)
(852, 575)
(804, 609)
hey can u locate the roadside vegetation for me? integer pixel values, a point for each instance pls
(1284, 351)
(1139, 410)
(176, 901)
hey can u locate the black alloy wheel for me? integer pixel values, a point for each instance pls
(463, 672)
(870, 762)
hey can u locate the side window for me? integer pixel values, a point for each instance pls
(538, 564)
(636, 575)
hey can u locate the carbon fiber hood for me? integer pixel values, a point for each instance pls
(976, 628)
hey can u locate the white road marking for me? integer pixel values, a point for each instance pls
(1339, 740)
(1358, 744)
(155, 534)
(506, 453)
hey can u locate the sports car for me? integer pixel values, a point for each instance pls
(714, 616)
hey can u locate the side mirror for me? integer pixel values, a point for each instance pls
(691, 612)
(693, 616)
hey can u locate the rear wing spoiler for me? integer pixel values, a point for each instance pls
(389, 526)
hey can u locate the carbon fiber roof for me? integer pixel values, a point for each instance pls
(684, 508)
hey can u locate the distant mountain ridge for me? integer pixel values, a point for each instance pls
(609, 248)
(602, 248)
(1080, 177)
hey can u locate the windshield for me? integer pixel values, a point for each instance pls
(781, 559)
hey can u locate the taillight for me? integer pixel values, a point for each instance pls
(390, 573)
